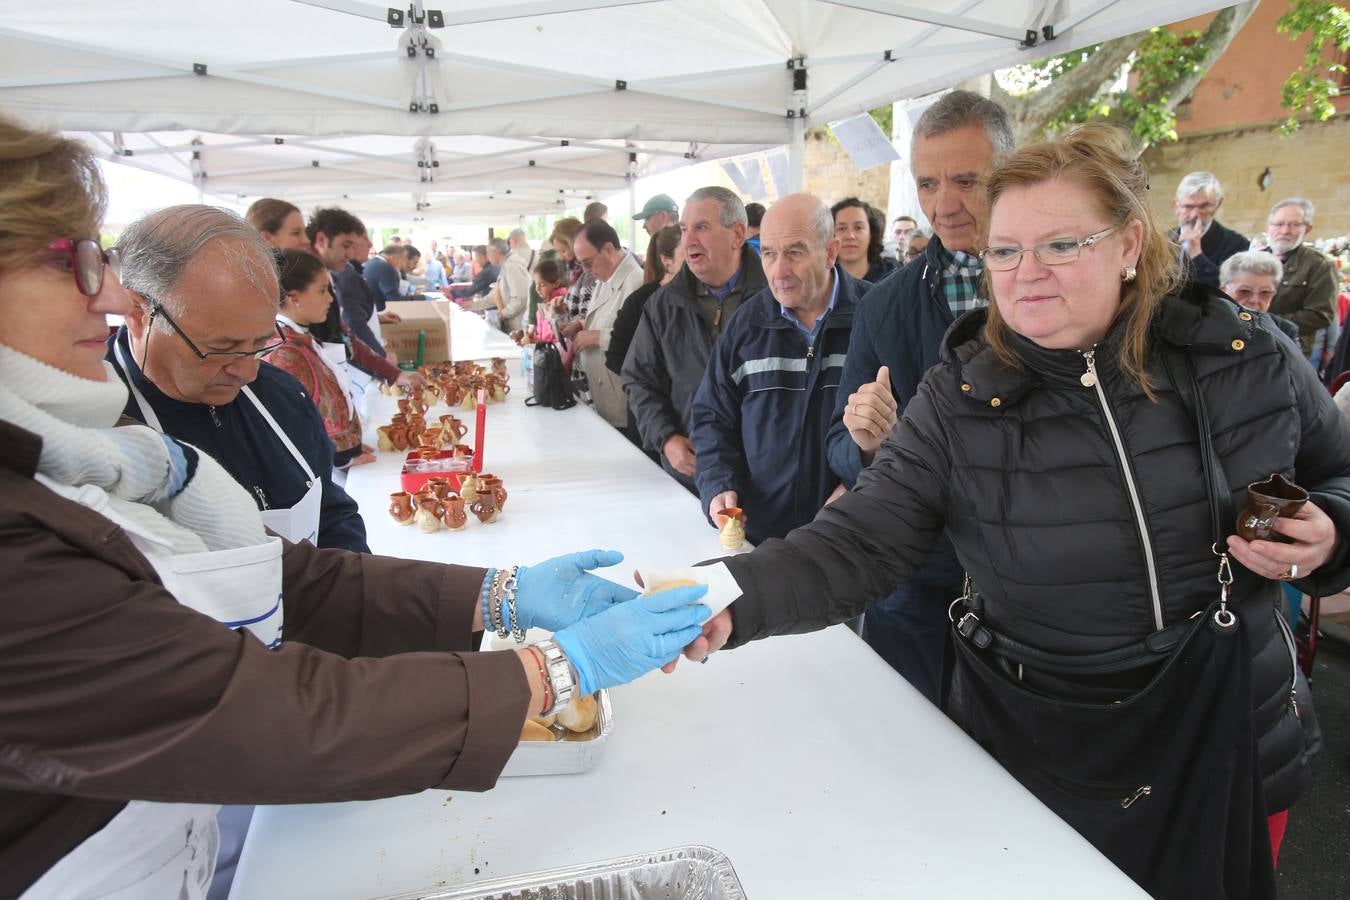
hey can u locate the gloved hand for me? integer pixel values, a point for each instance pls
(561, 591)
(629, 640)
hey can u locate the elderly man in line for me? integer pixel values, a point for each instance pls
(896, 339)
(514, 282)
(760, 417)
(1308, 285)
(657, 213)
(362, 312)
(617, 275)
(463, 270)
(1205, 242)
(1251, 278)
(681, 321)
(190, 352)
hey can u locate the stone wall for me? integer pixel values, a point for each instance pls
(831, 176)
(1313, 163)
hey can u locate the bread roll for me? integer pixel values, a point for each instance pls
(671, 585)
(546, 721)
(580, 714)
(533, 731)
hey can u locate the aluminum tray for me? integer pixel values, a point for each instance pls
(684, 873)
(570, 754)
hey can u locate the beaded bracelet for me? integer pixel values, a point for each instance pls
(483, 598)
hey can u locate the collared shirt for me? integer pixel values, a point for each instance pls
(962, 275)
(791, 315)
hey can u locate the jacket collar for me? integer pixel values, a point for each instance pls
(685, 285)
(20, 449)
(768, 313)
(1198, 318)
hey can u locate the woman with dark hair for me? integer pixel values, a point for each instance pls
(280, 223)
(860, 228)
(307, 296)
(665, 255)
(1085, 442)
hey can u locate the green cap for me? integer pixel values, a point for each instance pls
(659, 203)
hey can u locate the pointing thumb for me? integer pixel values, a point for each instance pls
(884, 378)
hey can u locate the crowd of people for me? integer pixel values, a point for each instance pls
(1012, 446)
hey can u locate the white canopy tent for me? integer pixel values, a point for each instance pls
(448, 108)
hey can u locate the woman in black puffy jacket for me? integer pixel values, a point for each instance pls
(1059, 444)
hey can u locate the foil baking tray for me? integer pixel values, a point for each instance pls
(683, 873)
(570, 753)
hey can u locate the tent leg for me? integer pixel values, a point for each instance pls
(632, 208)
(797, 155)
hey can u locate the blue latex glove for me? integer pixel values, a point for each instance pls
(560, 591)
(629, 640)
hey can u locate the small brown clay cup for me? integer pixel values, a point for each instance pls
(1267, 501)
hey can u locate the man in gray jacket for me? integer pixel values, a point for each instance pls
(682, 320)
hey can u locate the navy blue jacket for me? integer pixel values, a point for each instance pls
(238, 437)
(900, 324)
(759, 419)
(357, 303)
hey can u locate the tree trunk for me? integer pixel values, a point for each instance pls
(1031, 112)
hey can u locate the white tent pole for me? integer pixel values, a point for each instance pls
(632, 198)
(797, 125)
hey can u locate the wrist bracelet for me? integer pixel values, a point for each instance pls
(483, 599)
(495, 600)
(562, 681)
(543, 677)
(509, 591)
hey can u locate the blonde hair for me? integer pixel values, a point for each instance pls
(1103, 160)
(565, 229)
(50, 189)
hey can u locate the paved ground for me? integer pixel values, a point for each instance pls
(1315, 859)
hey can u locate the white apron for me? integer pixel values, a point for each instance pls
(168, 850)
(296, 523)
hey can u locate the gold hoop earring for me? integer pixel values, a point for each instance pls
(1127, 274)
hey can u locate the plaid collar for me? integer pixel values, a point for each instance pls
(961, 280)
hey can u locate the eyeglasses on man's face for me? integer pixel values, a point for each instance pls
(1287, 226)
(219, 357)
(1055, 252)
(87, 261)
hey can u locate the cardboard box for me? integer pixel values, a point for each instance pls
(431, 317)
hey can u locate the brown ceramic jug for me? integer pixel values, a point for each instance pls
(401, 508)
(732, 532)
(455, 516)
(439, 486)
(485, 507)
(468, 487)
(1266, 501)
(398, 436)
(404, 405)
(386, 442)
(493, 484)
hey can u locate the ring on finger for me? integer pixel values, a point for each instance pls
(1291, 574)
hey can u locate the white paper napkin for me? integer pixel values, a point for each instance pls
(722, 587)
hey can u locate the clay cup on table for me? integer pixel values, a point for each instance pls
(428, 515)
(401, 507)
(386, 442)
(440, 486)
(455, 516)
(485, 507)
(1267, 501)
(492, 484)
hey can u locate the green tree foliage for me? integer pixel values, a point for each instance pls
(1310, 89)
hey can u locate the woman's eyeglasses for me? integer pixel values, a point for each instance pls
(88, 261)
(1051, 253)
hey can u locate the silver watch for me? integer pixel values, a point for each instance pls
(562, 679)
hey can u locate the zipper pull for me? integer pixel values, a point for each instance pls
(1089, 378)
(810, 351)
(262, 498)
(1143, 790)
(1293, 703)
(717, 316)
(214, 418)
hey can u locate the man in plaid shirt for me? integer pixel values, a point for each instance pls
(895, 340)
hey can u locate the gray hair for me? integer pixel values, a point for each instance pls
(1253, 262)
(1300, 202)
(730, 209)
(500, 246)
(822, 223)
(959, 109)
(516, 233)
(158, 249)
(1206, 183)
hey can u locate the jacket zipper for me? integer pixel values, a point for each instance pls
(1293, 659)
(214, 418)
(1090, 379)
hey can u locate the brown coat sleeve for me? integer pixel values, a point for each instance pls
(111, 690)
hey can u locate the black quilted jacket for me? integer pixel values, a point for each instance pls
(1021, 467)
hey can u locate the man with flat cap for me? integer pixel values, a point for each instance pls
(657, 213)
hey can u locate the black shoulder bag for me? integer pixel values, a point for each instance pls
(1148, 751)
(551, 386)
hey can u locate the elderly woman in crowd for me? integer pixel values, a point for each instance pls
(1251, 278)
(860, 228)
(1084, 441)
(145, 676)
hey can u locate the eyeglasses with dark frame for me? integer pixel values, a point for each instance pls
(224, 356)
(88, 261)
(1058, 252)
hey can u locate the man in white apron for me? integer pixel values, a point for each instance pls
(189, 378)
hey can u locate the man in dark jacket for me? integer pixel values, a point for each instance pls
(357, 303)
(1205, 243)
(896, 337)
(679, 324)
(492, 265)
(249, 416)
(760, 416)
